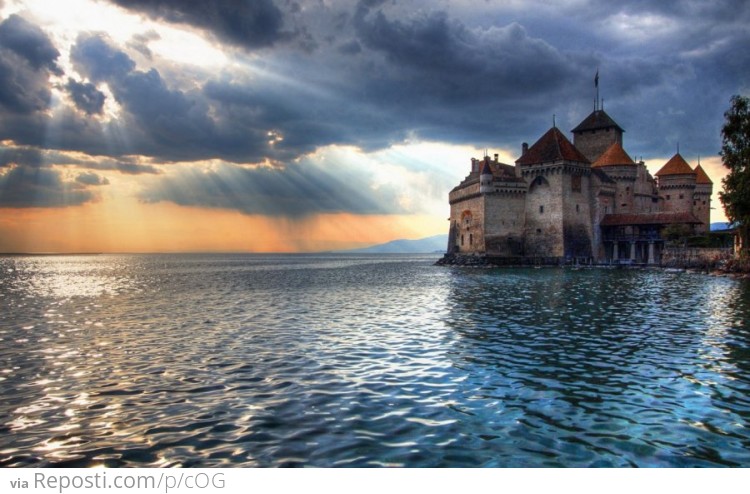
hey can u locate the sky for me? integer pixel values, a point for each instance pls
(292, 126)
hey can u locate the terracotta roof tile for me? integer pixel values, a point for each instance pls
(701, 177)
(675, 166)
(552, 146)
(614, 155)
(598, 119)
(649, 219)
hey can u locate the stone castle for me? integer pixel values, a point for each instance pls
(582, 202)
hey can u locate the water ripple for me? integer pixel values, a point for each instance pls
(367, 361)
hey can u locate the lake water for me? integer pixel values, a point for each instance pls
(253, 360)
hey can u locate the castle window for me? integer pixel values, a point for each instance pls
(704, 203)
(462, 240)
(668, 198)
(541, 209)
(539, 230)
(578, 209)
(575, 183)
(471, 239)
(627, 189)
(682, 196)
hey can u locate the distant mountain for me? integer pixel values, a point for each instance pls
(437, 243)
(719, 226)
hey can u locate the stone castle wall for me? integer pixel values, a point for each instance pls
(624, 177)
(467, 219)
(702, 206)
(694, 257)
(505, 216)
(543, 232)
(592, 143)
(676, 193)
(576, 207)
(645, 198)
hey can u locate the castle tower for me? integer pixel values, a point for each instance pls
(485, 177)
(704, 187)
(618, 166)
(558, 214)
(676, 185)
(595, 134)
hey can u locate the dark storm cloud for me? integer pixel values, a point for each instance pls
(86, 97)
(98, 60)
(35, 157)
(249, 24)
(27, 58)
(11, 155)
(224, 119)
(123, 167)
(433, 45)
(25, 187)
(29, 42)
(693, 63)
(162, 122)
(91, 178)
(449, 81)
(350, 48)
(296, 191)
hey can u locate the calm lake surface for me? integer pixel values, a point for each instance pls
(346, 360)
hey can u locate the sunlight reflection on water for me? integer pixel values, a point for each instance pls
(355, 361)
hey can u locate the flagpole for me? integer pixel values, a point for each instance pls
(596, 84)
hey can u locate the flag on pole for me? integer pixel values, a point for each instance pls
(596, 78)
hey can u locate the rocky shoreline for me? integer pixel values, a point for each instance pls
(731, 268)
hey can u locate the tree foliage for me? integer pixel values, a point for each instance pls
(735, 154)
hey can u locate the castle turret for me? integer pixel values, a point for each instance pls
(485, 177)
(596, 134)
(676, 185)
(704, 187)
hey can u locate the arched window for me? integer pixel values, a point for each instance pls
(466, 219)
(538, 182)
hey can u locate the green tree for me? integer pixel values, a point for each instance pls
(735, 154)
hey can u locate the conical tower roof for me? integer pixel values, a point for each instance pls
(552, 146)
(701, 177)
(614, 155)
(486, 169)
(675, 166)
(598, 119)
